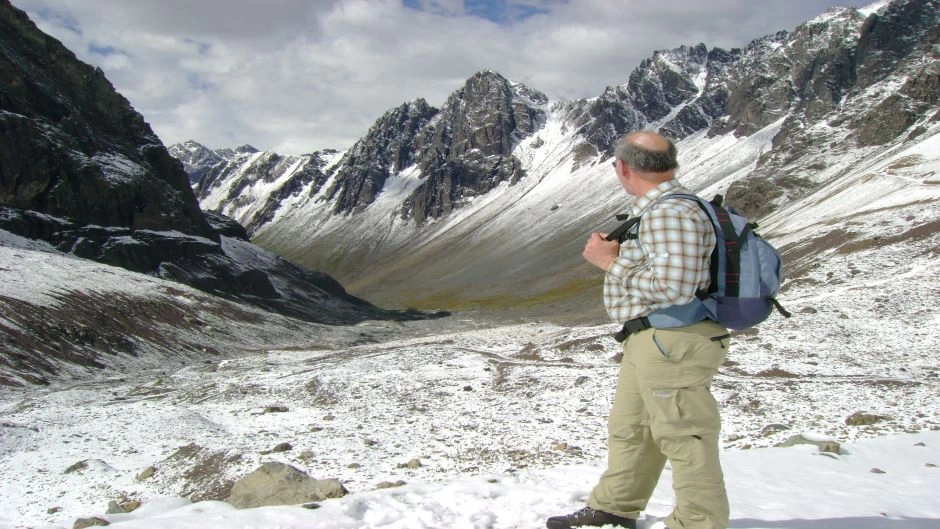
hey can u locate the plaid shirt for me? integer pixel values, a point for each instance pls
(668, 263)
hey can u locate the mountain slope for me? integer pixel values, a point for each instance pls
(772, 125)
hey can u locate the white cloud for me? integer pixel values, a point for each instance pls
(296, 76)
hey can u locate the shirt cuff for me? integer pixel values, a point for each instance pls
(618, 269)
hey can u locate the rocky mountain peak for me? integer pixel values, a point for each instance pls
(465, 147)
(197, 159)
(242, 149)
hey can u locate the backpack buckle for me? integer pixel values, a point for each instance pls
(632, 326)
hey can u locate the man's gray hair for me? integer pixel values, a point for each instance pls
(646, 160)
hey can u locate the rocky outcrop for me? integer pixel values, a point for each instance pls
(72, 147)
(280, 484)
(467, 149)
(388, 147)
(462, 150)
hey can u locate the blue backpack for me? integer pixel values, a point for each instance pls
(746, 272)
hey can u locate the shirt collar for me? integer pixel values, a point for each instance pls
(641, 203)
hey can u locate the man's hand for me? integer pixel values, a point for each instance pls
(600, 252)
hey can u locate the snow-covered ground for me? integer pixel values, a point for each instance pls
(883, 483)
(508, 423)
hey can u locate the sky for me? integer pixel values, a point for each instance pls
(296, 76)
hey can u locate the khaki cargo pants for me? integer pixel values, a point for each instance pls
(663, 409)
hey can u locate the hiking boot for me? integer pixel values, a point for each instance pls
(588, 517)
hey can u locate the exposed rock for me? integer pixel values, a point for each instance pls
(277, 408)
(147, 473)
(829, 446)
(388, 147)
(280, 484)
(199, 473)
(280, 447)
(390, 484)
(83, 523)
(81, 465)
(414, 463)
(95, 464)
(197, 159)
(72, 147)
(466, 149)
(772, 429)
(864, 419)
(289, 176)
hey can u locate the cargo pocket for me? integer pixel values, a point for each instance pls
(683, 411)
(675, 345)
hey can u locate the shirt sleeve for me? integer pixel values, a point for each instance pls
(667, 265)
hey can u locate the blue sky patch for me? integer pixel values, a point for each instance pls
(104, 51)
(499, 11)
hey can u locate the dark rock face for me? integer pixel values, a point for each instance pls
(462, 150)
(655, 89)
(72, 147)
(467, 149)
(389, 146)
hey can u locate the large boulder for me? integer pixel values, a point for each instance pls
(281, 484)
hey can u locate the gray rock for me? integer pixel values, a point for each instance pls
(771, 429)
(280, 484)
(832, 447)
(414, 463)
(280, 447)
(863, 419)
(82, 523)
(81, 465)
(390, 484)
(199, 473)
(147, 473)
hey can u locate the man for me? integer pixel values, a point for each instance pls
(663, 408)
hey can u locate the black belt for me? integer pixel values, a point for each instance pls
(632, 326)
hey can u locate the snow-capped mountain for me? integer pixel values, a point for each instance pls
(197, 158)
(491, 196)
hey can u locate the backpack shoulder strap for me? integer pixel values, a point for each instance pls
(728, 241)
